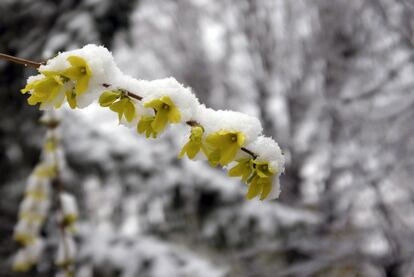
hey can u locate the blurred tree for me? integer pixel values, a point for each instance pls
(330, 80)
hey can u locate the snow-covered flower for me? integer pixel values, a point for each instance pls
(28, 256)
(266, 169)
(82, 76)
(78, 72)
(45, 90)
(120, 103)
(194, 145)
(145, 126)
(26, 232)
(244, 169)
(165, 112)
(222, 146)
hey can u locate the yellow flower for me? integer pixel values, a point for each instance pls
(261, 180)
(165, 112)
(45, 90)
(108, 97)
(193, 146)
(79, 72)
(119, 103)
(145, 125)
(259, 185)
(69, 220)
(222, 146)
(71, 98)
(45, 171)
(22, 266)
(258, 176)
(24, 238)
(50, 144)
(244, 168)
(263, 169)
(30, 216)
(39, 195)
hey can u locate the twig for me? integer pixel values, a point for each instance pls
(19, 60)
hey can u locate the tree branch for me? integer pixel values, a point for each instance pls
(19, 60)
(25, 62)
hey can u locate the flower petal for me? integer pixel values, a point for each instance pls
(129, 110)
(241, 139)
(76, 61)
(82, 85)
(174, 115)
(254, 188)
(155, 104)
(71, 98)
(160, 121)
(73, 73)
(118, 107)
(266, 184)
(228, 154)
(108, 97)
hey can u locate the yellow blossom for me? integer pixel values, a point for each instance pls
(45, 90)
(244, 168)
(119, 103)
(145, 125)
(259, 185)
(79, 72)
(165, 112)
(193, 146)
(222, 146)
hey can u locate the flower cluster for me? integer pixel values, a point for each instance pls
(52, 87)
(85, 75)
(37, 202)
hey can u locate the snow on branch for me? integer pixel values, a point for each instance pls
(228, 139)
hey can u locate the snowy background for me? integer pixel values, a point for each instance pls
(330, 80)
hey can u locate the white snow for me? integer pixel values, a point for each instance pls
(214, 121)
(69, 206)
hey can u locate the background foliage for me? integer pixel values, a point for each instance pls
(331, 81)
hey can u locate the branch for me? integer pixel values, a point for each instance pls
(191, 123)
(19, 60)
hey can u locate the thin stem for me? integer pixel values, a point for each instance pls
(249, 152)
(19, 60)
